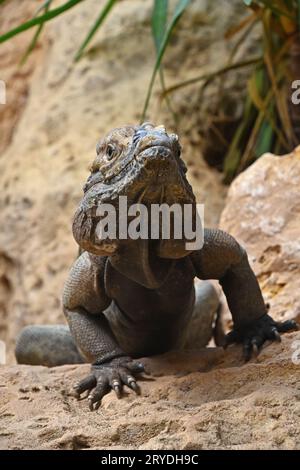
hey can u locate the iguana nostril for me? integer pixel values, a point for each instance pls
(138, 135)
(147, 126)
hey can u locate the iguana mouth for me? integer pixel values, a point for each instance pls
(154, 142)
(157, 151)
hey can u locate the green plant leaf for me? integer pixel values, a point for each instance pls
(264, 139)
(39, 20)
(103, 14)
(36, 36)
(158, 24)
(159, 21)
(234, 155)
(256, 88)
(179, 9)
(279, 100)
(258, 85)
(248, 152)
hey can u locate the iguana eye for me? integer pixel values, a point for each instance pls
(111, 151)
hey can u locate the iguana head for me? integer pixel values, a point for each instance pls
(139, 162)
(142, 163)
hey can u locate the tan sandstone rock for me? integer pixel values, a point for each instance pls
(263, 213)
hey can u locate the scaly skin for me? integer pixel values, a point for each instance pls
(147, 288)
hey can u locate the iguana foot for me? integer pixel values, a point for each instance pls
(253, 335)
(110, 376)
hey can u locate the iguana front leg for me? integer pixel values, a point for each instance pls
(224, 259)
(84, 300)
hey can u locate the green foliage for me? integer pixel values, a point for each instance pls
(164, 41)
(37, 34)
(159, 21)
(103, 14)
(267, 122)
(49, 15)
(159, 24)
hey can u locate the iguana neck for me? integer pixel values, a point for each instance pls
(138, 261)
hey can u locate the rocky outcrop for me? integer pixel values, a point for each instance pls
(263, 213)
(201, 400)
(16, 78)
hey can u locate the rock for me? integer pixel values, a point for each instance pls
(198, 400)
(16, 78)
(263, 213)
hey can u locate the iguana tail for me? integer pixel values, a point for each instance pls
(47, 345)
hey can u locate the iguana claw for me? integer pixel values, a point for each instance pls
(110, 376)
(253, 335)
